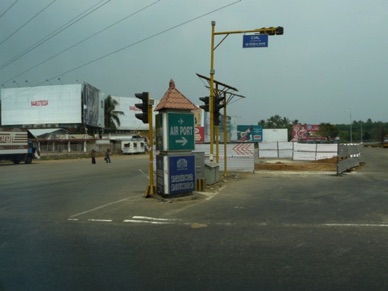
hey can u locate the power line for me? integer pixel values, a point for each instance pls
(54, 33)
(85, 39)
(140, 41)
(144, 39)
(27, 22)
(6, 10)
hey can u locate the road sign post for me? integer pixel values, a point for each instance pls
(175, 139)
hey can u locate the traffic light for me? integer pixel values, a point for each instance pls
(205, 106)
(216, 109)
(272, 30)
(279, 30)
(144, 97)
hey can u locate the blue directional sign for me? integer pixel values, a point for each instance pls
(255, 40)
(182, 174)
(175, 174)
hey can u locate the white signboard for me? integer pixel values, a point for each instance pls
(273, 135)
(128, 121)
(59, 104)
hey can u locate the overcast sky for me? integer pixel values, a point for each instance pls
(329, 66)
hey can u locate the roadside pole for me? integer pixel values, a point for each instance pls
(250, 41)
(151, 189)
(146, 117)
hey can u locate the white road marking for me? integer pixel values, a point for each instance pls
(148, 177)
(100, 220)
(357, 225)
(99, 207)
(152, 218)
(146, 221)
(211, 195)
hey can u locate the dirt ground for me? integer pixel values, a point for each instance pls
(321, 165)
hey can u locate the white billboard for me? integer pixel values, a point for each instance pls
(128, 121)
(275, 134)
(59, 104)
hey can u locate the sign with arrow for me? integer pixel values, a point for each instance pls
(175, 131)
(180, 127)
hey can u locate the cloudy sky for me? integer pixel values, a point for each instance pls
(329, 66)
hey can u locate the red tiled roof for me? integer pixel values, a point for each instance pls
(173, 99)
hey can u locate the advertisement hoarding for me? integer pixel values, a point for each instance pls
(59, 104)
(275, 134)
(93, 106)
(306, 132)
(128, 121)
(250, 133)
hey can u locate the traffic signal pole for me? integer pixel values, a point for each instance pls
(225, 137)
(265, 30)
(211, 98)
(146, 117)
(151, 189)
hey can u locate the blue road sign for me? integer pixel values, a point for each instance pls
(182, 174)
(255, 40)
(175, 174)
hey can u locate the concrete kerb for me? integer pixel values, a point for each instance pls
(209, 193)
(279, 172)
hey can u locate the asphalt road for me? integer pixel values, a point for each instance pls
(71, 225)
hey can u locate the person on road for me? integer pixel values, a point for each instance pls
(93, 154)
(107, 156)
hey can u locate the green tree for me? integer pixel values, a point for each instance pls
(328, 130)
(275, 121)
(111, 116)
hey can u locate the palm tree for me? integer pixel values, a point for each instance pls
(111, 116)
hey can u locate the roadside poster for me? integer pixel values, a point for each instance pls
(250, 133)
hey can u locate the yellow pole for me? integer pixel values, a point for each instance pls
(216, 130)
(225, 136)
(151, 189)
(217, 143)
(211, 97)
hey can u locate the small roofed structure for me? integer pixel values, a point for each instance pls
(173, 100)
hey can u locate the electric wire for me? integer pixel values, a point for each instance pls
(85, 39)
(140, 41)
(28, 21)
(137, 42)
(54, 33)
(6, 10)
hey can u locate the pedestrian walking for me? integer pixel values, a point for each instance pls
(107, 156)
(93, 154)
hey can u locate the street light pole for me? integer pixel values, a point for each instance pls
(351, 135)
(350, 126)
